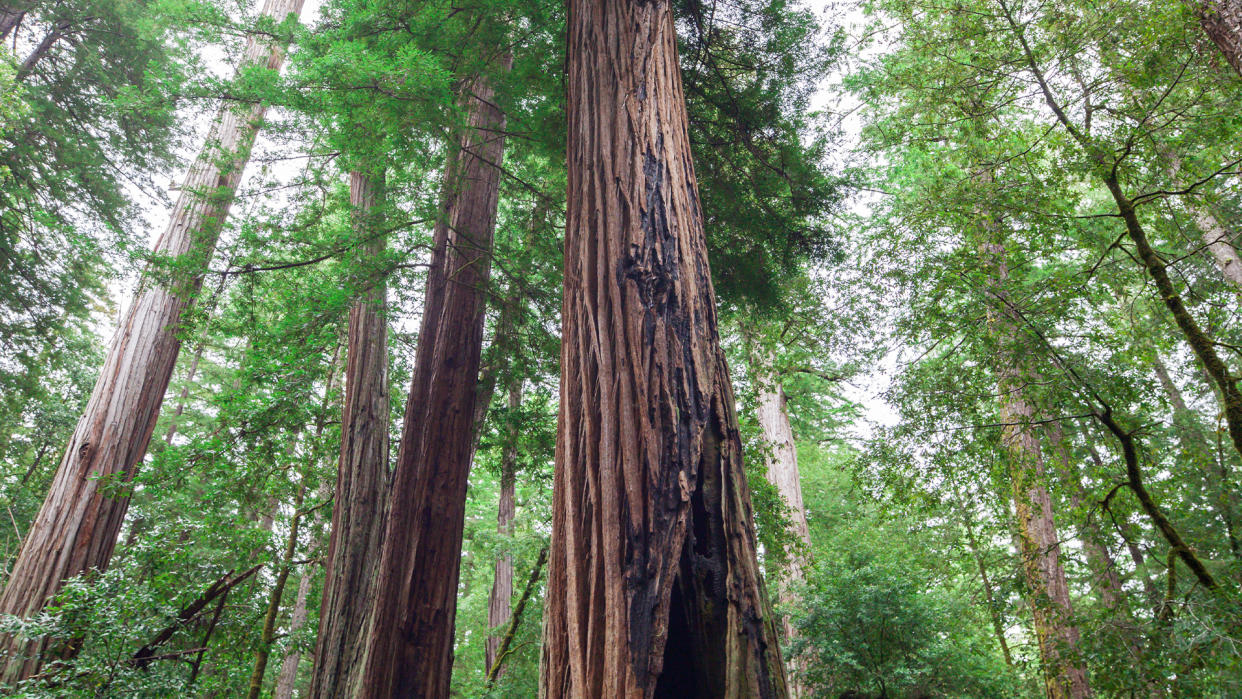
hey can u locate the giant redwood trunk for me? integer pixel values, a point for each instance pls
(653, 587)
(358, 507)
(410, 645)
(1038, 541)
(76, 529)
(1222, 20)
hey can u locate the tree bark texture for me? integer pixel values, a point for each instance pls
(358, 508)
(782, 462)
(654, 588)
(500, 601)
(1222, 20)
(410, 645)
(1039, 543)
(76, 529)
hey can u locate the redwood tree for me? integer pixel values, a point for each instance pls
(362, 473)
(654, 588)
(1222, 20)
(76, 529)
(410, 644)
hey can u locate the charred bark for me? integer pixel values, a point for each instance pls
(76, 529)
(358, 509)
(410, 644)
(654, 588)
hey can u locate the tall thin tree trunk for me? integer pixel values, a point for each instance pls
(268, 635)
(654, 587)
(500, 601)
(76, 529)
(1039, 543)
(289, 667)
(782, 462)
(358, 509)
(1222, 20)
(41, 50)
(410, 645)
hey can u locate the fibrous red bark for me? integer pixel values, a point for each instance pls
(358, 508)
(410, 644)
(1222, 20)
(654, 588)
(76, 529)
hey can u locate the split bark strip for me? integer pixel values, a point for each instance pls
(358, 509)
(1222, 20)
(1039, 542)
(654, 588)
(1200, 343)
(501, 597)
(76, 529)
(189, 613)
(502, 651)
(410, 645)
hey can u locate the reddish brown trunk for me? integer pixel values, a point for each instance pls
(653, 585)
(76, 529)
(410, 645)
(1222, 20)
(362, 475)
(500, 600)
(1039, 543)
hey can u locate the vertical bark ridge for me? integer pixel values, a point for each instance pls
(1222, 20)
(410, 645)
(76, 529)
(358, 508)
(654, 588)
